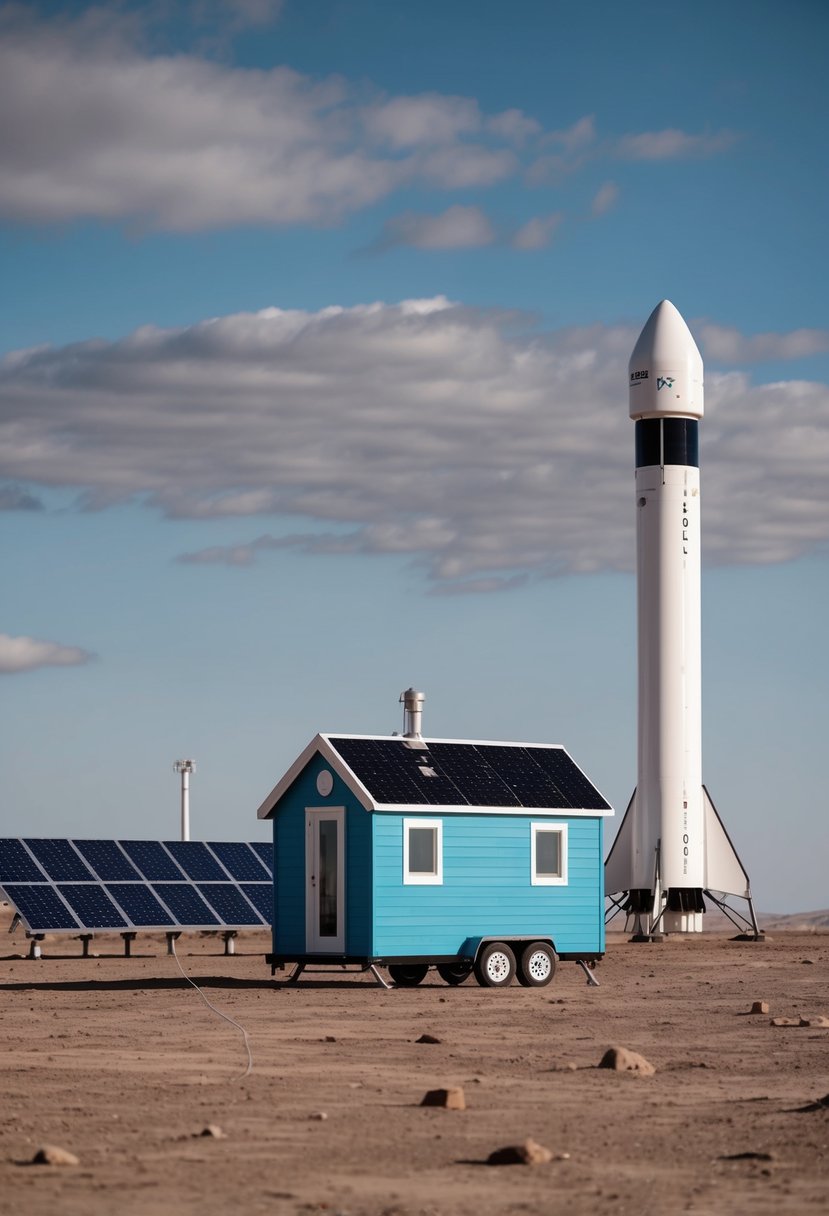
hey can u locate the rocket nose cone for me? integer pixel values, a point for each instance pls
(665, 369)
(664, 329)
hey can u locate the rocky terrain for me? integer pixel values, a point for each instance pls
(120, 1063)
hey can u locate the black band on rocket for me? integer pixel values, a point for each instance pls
(667, 441)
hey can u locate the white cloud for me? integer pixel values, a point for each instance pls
(564, 152)
(422, 121)
(728, 345)
(537, 232)
(25, 654)
(513, 125)
(604, 199)
(577, 137)
(425, 428)
(672, 144)
(95, 126)
(456, 228)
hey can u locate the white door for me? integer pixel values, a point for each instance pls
(324, 880)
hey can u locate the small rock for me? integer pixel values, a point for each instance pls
(330, 1038)
(759, 1007)
(818, 1020)
(784, 1021)
(451, 1098)
(621, 1059)
(214, 1131)
(751, 1155)
(319, 1116)
(52, 1154)
(528, 1153)
(427, 1038)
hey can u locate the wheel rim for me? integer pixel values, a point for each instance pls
(538, 966)
(497, 966)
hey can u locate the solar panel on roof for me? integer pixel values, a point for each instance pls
(264, 851)
(475, 775)
(107, 860)
(570, 779)
(531, 784)
(185, 903)
(60, 861)
(140, 905)
(260, 895)
(91, 905)
(468, 774)
(239, 860)
(195, 860)
(17, 864)
(393, 772)
(153, 860)
(229, 903)
(41, 907)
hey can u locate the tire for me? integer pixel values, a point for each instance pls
(455, 973)
(408, 975)
(537, 965)
(495, 965)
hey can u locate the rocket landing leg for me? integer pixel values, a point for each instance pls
(652, 912)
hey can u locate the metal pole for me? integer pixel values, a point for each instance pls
(185, 767)
(185, 803)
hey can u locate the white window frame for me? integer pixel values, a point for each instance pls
(548, 880)
(423, 880)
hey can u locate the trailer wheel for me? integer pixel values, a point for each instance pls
(455, 973)
(408, 975)
(495, 965)
(537, 965)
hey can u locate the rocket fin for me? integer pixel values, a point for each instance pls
(724, 871)
(618, 869)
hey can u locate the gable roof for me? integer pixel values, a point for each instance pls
(388, 773)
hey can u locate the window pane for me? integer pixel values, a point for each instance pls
(548, 854)
(328, 878)
(422, 850)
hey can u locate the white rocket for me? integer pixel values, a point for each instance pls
(672, 846)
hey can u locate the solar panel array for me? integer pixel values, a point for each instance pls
(469, 774)
(83, 886)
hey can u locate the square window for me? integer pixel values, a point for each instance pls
(423, 851)
(549, 855)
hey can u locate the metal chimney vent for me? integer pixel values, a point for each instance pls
(412, 702)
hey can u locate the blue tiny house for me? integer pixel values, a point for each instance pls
(410, 852)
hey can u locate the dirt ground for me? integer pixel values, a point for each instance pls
(121, 1062)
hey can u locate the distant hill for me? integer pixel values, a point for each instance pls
(774, 922)
(801, 922)
(715, 921)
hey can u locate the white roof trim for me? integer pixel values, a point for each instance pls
(342, 734)
(321, 744)
(430, 808)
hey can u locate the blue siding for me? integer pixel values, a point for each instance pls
(486, 887)
(289, 934)
(289, 878)
(358, 893)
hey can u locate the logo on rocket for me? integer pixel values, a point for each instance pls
(664, 382)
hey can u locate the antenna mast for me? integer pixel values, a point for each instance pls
(185, 767)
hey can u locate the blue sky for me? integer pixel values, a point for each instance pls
(315, 328)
